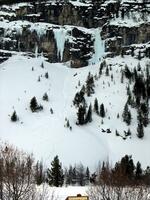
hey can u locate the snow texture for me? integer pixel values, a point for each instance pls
(44, 133)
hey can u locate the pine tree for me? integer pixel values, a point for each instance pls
(102, 110)
(126, 115)
(55, 176)
(74, 175)
(89, 115)
(132, 51)
(122, 76)
(81, 175)
(39, 173)
(42, 65)
(96, 106)
(46, 75)
(81, 115)
(145, 112)
(140, 131)
(14, 117)
(107, 71)
(87, 175)
(69, 176)
(90, 85)
(138, 172)
(33, 104)
(83, 89)
(139, 55)
(79, 98)
(45, 97)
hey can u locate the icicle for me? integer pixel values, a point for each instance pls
(60, 37)
(36, 51)
(98, 47)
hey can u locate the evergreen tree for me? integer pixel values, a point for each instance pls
(83, 89)
(139, 55)
(33, 104)
(127, 72)
(46, 75)
(39, 173)
(89, 115)
(132, 51)
(81, 115)
(81, 175)
(96, 106)
(69, 176)
(87, 175)
(42, 65)
(14, 117)
(145, 112)
(90, 85)
(45, 97)
(126, 115)
(138, 172)
(140, 131)
(55, 176)
(122, 76)
(74, 175)
(127, 166)
(107, 71)
(79, 98)
(101, 68)
(102, 110)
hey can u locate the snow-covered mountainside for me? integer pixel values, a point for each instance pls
(45, 134)
(51, 48)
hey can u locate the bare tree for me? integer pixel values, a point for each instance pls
(16, 174)
(114, 185)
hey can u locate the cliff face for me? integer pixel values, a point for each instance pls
(57, 43)
(60, 43)
(28, 26)
(118, 37)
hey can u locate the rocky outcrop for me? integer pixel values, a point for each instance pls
(58, 44)
(119, 37)
(70, 44)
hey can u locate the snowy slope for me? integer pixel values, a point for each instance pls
(44, 133)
